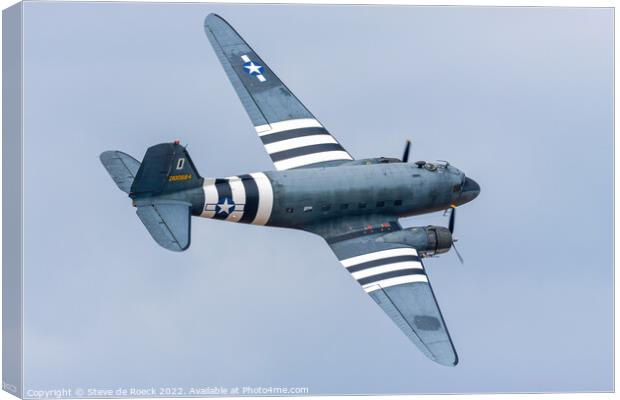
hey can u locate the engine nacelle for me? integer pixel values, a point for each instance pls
(428, 240)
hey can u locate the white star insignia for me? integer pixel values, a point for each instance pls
(225, 207)
(253, 68)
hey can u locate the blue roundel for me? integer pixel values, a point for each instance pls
(253, 68)
(225, 206)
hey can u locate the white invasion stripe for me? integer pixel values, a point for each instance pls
(377, 255)
(262, 128)
(311, 159)
(386, 268)
(399, 280)
(245, 58)
(238, 197)
(265, 198)
(261, 78)
(211, 197)
(283, 126)
(298, 142)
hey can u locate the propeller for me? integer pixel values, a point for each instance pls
(451, 229)
(457, 253)
(452, 217)
(406, 152)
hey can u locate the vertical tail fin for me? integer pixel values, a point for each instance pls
(166, 167)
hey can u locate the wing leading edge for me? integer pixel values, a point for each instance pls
(394, 276)
(292, 136)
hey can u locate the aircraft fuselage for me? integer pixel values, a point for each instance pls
(299, 198)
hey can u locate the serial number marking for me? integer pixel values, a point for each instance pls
(182, 177)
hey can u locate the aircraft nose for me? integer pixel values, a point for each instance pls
(470, 191)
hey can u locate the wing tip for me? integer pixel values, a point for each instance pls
(447, 360)
(212, 19)
(449, 363)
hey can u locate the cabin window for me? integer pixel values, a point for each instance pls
(290, 210)
(362, 205)
(398, 202)
(326, 207)
(344, 206)
(307, 209)
(380, 203)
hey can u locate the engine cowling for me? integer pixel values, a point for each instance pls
(428, 240)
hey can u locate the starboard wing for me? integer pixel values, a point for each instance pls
(292, 136)
(394, 276)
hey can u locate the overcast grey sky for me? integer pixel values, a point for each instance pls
(520, 99)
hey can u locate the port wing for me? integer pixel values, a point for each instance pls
(394, 276)
(292, 136)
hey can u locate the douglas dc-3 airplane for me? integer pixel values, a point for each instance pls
(318, 187)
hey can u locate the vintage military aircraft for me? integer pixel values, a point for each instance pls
(354, 204)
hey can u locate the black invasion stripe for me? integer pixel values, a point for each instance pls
(391, 274)
(251, 199)
(302, 151)
(223, 191)
(295, 133)
(383, 261)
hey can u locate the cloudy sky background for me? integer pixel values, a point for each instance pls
(520, 99)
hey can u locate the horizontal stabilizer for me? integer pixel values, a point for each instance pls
(122, 167)
(168, 223)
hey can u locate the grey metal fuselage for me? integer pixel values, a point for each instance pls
(366, 187)
(378, 188)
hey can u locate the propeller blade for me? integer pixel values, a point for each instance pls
(451, 223)
(458, 254)
(406, 152)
